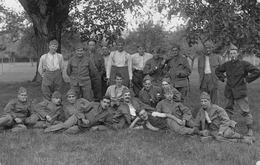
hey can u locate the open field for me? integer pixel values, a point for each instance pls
(125, 147)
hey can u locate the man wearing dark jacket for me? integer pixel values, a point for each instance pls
(238, 74)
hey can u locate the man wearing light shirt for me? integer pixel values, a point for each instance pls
(119, 61)
(138, 62)
(206, 68)
(50, 68)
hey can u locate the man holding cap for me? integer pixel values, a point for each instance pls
(208, 81)
(16, 111)
(238, 74)
(138, 63)
(82, 73)
(120, 61)
(50, 68)
(179, 70)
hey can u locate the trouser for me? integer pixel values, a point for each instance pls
(228, 136)
(35, 121)
(241, 105)
(71, 121)
(104, 85)
(183, 91)
(83, 91)
(52, 81)
(123, 71)
(208, 85)
(137, 82)
(97, 87)
(7, 122)
(174, 126)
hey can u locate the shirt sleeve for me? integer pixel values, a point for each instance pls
(130, 66)
(109, 64)
(40, 67)
(9, 109)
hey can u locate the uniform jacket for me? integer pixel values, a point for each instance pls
(214, 61)
(18, 109)
(74, 108)
(176, 109)
(159, 73)
(219, 119)
(98, 62)
(179, 70)
(123, 111)
(81, 71)
(46, 107)
(237, 73)
(150, 96)
(95, 114)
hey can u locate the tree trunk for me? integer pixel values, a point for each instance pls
(48, 17)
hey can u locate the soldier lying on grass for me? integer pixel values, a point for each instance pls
(47, 112)
(215, 119)
(94, 116)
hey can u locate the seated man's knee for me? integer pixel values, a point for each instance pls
(31, 120)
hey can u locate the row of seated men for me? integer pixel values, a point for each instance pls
(119, 110)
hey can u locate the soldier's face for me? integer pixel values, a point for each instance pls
(208, 49)
(23, 96)
(120, 47)
(143, 115)
(205, 103)
(91, 45)
(127, 97)
(105, 50)
(168, 96)
(80, 52)
(156, 55)
(105, 103)
(147, 84)
(56, 101)
(72, 99)
(165, 85)
(175, 52)
(233, 55)
(53, 48)
(141, 51)
(118, 80)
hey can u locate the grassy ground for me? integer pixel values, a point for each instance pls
(122, 147)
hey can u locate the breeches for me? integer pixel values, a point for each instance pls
(242, 105)
(52, 81)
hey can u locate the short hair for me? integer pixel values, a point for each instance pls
(92, 39)
(119, 75)
(106, 97)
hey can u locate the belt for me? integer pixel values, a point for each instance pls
(138, 71)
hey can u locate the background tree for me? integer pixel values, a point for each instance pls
(223, 22)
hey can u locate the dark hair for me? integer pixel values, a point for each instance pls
(106, 97)
(119, 75)
(92, 39)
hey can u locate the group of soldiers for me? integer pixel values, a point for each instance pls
(117, 90)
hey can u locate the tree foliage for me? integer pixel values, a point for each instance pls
(223, 22)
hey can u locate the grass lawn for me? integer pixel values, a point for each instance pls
(144, 147)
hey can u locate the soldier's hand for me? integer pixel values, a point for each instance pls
(220, 133)
(18, 120)
(48, 118)
(85, 121)
(108, 81)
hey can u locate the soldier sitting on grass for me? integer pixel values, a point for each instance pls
(215, 119)
(16, 111)
(47, 112)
